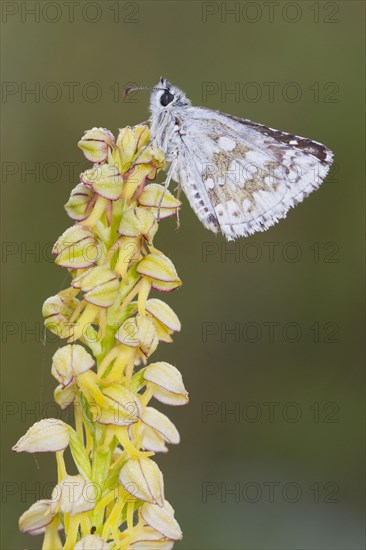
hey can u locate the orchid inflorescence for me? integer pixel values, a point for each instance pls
(116, 500)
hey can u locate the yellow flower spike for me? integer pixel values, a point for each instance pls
(115, 208)
(143, 295)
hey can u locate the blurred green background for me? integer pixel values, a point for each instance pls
(297, 474)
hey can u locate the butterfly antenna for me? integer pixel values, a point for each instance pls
(132, 87)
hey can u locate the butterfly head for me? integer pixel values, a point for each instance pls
(165, 96)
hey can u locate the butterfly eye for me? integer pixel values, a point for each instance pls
(166, 98)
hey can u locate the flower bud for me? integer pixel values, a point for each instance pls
(74, 495)
(100, 284)
(150, 160)
(127, 333)
(143, 479)
(105, 179)
(70, 361)
(124, 407)
(65, 396)
(163, 313)
(79, 203)
(160, 423)
(148, 339)
(127, 146)
(167, 383)
(35, 520)
(142, 134)
(77, 248)
(138, 332)
(92, 542)
(150, 439)
(151, 199)
(138, 222)
(147, 538)
(49, 435)
(57, 315)
(162, 519)
(161, 271)
(95, 143)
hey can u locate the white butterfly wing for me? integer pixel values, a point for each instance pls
(241, 177)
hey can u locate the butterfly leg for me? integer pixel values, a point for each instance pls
(166, 185)
(178, 191)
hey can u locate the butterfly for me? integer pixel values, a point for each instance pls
(240, 177)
